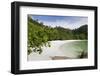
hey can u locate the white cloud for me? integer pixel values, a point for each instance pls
(67, 24)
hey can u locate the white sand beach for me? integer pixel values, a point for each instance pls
(55, 52)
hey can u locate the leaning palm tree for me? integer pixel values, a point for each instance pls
(83, 54)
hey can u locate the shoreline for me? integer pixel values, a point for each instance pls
(54, 52)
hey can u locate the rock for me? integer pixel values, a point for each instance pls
(59, 57)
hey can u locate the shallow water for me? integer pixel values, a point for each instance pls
(74, 48)
(61, 49)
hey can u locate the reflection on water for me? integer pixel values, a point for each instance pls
(75, 49)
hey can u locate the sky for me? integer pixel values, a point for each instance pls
(70, 22)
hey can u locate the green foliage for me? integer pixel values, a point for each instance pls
(36, 36)
(81, 32)
(39, 35)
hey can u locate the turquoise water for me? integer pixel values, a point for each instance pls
(75, 49)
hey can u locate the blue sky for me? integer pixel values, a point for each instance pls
(70, 22)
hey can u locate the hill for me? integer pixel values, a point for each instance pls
(39, 34)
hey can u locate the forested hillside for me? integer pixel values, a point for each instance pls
(39, 34)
